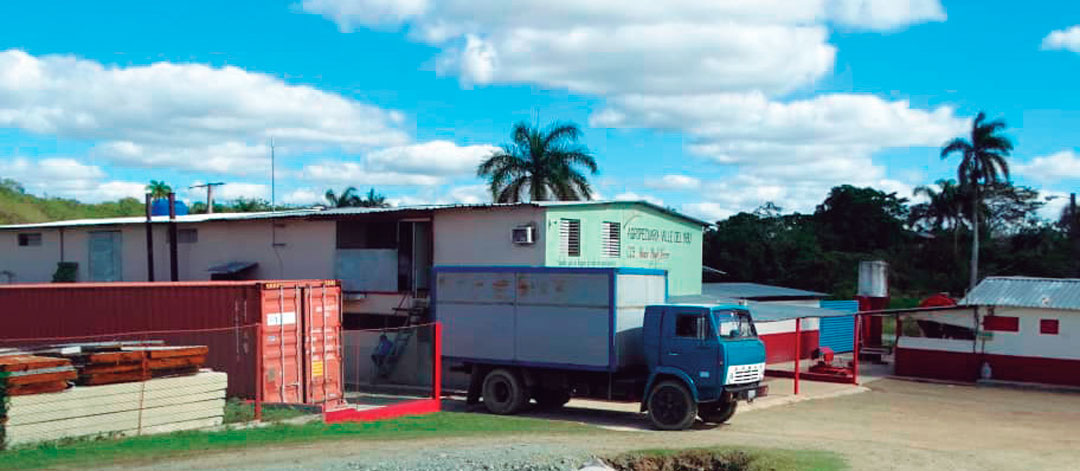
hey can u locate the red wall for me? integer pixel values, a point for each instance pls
(781, 347)
(966, 367)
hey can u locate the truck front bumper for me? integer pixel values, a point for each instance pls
(746, 392)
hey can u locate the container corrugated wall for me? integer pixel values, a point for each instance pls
(838, 333)
(222, 315)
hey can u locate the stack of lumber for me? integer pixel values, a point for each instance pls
(129, 408)
(111, 365)
(22, 374)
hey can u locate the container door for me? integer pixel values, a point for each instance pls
(281, 352)
(322, 328)
(105, 263)
(689, 345)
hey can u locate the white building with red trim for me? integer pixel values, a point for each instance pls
(1007, 328)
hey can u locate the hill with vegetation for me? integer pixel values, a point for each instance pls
(18, 207)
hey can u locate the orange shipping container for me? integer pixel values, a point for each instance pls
(295, 324)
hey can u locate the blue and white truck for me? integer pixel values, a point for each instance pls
(549, 334)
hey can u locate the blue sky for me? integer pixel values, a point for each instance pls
(711, 108)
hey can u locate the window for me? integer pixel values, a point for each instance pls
(367, 234)
(734, 324)
(610, 233)
(690, 326)
(1048, 326)
(570, 237)
(187, 236)
(1001, 323)
(30, 239)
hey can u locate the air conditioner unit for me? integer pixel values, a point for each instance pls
(523, 235)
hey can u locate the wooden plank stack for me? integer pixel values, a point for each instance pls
(23, 374)
(121, 388)
(99, 366)
(130, 408)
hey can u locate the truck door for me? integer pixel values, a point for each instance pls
(690, 345)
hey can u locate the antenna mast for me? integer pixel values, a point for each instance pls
(273, 202)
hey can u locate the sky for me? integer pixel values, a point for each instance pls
(708, 107)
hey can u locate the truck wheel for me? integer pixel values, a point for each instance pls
(552, 398)
(671, 407)
(504, 392)
(717, 412)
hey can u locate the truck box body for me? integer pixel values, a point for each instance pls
(570, 318)
(295, 324)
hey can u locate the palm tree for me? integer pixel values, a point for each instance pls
(944, 208)
(543, 162)
(158, 189)
(982, 163)
(373, 200)
(346, 199)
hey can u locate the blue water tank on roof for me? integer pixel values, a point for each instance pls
(160, 207)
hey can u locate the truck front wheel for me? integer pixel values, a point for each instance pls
(504, 393)
(717, 412)
(671, 407)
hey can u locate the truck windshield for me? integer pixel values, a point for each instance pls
(734, 324)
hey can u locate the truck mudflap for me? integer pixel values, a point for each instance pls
(746, 392)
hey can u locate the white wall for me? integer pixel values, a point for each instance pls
(28, 264)
(1029, 342)
(305, 249)
(482, 237)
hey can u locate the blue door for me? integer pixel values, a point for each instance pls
(838, 333)
(105, 262)
(690, 345)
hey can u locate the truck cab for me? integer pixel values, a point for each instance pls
(702, 359)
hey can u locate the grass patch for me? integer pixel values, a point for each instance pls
(239, 411)
(728, 459)
(102, 452)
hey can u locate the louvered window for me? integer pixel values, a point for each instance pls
(570, 237)
(611, 240)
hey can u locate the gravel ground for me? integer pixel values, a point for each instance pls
(488, 458)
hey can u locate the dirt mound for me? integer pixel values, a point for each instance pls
(684, 461)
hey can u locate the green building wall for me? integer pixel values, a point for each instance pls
(649, 239)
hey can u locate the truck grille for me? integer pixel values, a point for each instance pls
(742, 374)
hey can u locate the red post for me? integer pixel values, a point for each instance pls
(437, 373)
(798, 351)
(258, 371)
(855, 363)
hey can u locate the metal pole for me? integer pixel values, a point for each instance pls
(174, 273)
(259, 335)
(209, 198)
(798, 351)
(437, 373)
(857, 340)
(149, 238)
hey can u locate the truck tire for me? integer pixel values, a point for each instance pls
(717, 412)
(552, 398)
(671, 406)
(504, 392)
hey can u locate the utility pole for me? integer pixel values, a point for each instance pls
(209, 194)
(273, 202)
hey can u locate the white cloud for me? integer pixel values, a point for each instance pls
(1064, 165)
(356, 174)
(1066, 39)
(470, 194)
(631, 196)
(431, 158)
(303, 197)
(884, 14)
(673, 182)
(67, 178)
(349, 14)
(185, 116)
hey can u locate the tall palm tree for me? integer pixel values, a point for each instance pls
(346, 199)
(982, 162)
(543, 162)
(158, 189)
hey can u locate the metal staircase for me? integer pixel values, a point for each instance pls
(416, 314)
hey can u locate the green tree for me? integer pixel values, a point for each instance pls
(350, 198)
(250, 205)
(158, 189)
(543, 162)
(982, 162)
(855, 219)
(373, 200)
(944, 209)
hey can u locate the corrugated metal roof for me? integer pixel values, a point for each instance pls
(196, 218)
(755, 291)
(1018, 291)
(761, 312)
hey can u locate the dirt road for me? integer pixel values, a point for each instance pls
(898, 425)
